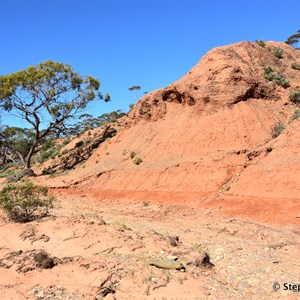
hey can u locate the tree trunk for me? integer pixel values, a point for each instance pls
(29, 155)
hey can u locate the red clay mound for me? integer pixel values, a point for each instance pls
(208, 133)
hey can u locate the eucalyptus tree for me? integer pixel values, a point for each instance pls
(47, 97)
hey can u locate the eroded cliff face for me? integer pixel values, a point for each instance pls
(209, 132)
(223, 77)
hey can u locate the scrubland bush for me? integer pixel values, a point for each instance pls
(295, 66)
(295, 96)
(260, 43)
(279, 79)
(23, 201)
(278, 52)
(277, 129)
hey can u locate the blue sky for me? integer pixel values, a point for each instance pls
(126, 43)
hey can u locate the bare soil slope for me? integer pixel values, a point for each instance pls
(209, 133)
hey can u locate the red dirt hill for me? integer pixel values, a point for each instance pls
(209, 133)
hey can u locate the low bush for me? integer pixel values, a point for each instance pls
(24, 201)
(282, 81)
(260, 43)
(277, 129)
(295, 66)
(296, 115)
(279, 79)
(47, 145)
(65, 151)
(66, 141)
(295, 96)
(278, 52)
(132, 154)
(137, 160)
(269, 73)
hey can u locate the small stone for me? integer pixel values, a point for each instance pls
(222, 280)
(40, 295)
(244, 284)
(172, 257)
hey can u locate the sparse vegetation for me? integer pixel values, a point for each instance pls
(296, 115)
(295, 96)
(48, 91)
(44, 155)
(132, 154)
(278, 52)
(295, 66)
(137, 160)
(66, 141)
(22, 200)
(260, 43)
(65, 151)
(282, 81)
(293, 40)
(277, 129)
(279, 79)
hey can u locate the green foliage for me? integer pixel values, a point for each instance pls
(65, 151)
(132, 154)
(17, 139)
(134, 88)
(47, 145)
(49, 93)
(44, 155)
(260, 43)
(295, 66)
(21, 201)
(296, 115)
(137, 160)
(107, 97)
(269, 73)
(293, 40)
(295, 96)
(66, 141)
(278, 52)
(282, 81)
(277, 129)
(279, 79)
(88, 122)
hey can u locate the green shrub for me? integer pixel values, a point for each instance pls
(137, 160)
(296, 115)
(44, 155)
(269, 73)
(65, 151)
(260, 43)
(24, 201)
(47, 145)
(132, 154)
(279, 79)
(295, 66)
(66, 141)
(282, 81)
(295, 96)
(277, 129)
(278, 52)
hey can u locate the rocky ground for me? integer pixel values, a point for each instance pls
(122, 249)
